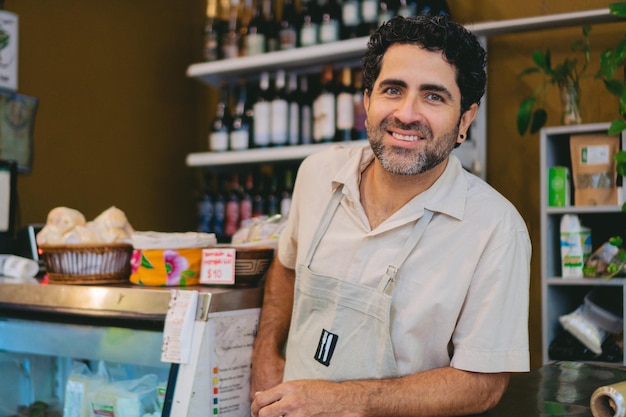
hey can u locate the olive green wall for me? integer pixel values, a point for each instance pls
(117, 114)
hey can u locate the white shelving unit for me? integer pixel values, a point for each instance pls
(348, 52)
(563, 295)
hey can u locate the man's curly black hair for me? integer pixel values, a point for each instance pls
(459, 46)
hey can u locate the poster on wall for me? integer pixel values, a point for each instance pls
(8, 50)
(17, 119)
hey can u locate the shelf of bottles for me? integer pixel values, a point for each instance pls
(232, 199)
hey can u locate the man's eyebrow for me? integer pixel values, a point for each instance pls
(437, 88)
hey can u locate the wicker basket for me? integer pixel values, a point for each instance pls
(87, 265)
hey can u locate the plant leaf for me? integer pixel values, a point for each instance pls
(539, 120)
(615, 87)
(530, 70)
(542, 61)
(618, 8)
(617, 126)
(523, 114)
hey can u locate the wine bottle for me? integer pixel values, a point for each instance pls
(288, 34)
(285, 199)
(331, 21)
(345, 107)
(258, 200)
(369, 17)
(205, 210)
(245, 204)
(255, 37)
(359, 109)
(262, 113)
(231, 216)
(279, 111)
(219, 211)
(306, 112)
(210, 49)
(351, 19)
(239, 138)
(324, 108)
(386, 12)
(272, 32)
(218, 138)
(310, 24)
(230, 41)
(271, 198)
(293, 99)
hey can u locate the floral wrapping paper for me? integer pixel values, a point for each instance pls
(166, 267)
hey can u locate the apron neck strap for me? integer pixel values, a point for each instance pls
(389, 281)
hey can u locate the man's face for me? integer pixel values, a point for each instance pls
(413, 112)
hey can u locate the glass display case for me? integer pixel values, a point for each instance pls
(55, 340)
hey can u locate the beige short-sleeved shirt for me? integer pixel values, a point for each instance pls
(461, 297)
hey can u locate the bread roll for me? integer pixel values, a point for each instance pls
(64, 219)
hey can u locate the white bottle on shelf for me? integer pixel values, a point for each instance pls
(571, 247)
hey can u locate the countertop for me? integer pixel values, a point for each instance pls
(556, 389)
(34, 297)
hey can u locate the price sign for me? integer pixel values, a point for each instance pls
(218, 266)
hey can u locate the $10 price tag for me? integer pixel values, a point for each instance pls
(218, 266)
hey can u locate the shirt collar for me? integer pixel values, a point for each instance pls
(447, 195)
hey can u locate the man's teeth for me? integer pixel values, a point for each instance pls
(408, 138)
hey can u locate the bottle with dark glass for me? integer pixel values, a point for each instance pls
(255, 36)
(293, 100)
(359, 109)
(258, 198)
(239, 138)
(205, 210)
(245, 203)
(345, 107)
(218, 137)
(350, 19)
(231, 216)
(230, 40)
(272, 31)
(369, 17)
(219, 211)
(279, 111)
(285, 198)
(324, 107)
(386, 12)
(271, 199)
(288, 34)
(306, 111)
(309, 27)
(211, 48)
(331, 21)
(262, 113)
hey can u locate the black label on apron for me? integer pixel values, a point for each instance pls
(326, 347)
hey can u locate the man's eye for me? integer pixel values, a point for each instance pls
(392, 91)
(434, 97)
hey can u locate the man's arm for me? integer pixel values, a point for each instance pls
(437, 392)
(268, 362)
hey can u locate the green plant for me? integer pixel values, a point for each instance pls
(611, 60)
(566, 74)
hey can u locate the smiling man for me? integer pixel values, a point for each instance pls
(400, 285)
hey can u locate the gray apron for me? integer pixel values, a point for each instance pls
(340, 330)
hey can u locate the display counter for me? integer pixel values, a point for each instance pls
(44, 329)
(556, 389)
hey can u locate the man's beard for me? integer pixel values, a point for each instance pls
(403, 161)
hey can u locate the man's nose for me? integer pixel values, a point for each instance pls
(409, 110)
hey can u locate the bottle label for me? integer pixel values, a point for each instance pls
(306, 131)
(279, 122)
(288, 39)
(369, 11)
(329, 32)
(345, 111)
(350, 14)
(294, 123)
(324, 117)
(262, 112)
(239, 139)
(308, 35)
(218, 141)
(255, 44)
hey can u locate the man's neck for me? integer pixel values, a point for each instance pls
(384, 193)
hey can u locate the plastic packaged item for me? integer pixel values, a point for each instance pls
(572, 256)
(603, 307)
